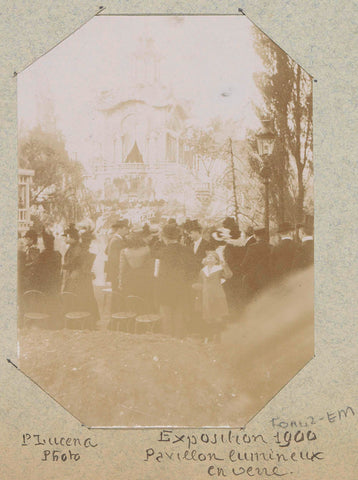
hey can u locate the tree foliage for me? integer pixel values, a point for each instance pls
(58, 192)
(224, 159)
(287, 99)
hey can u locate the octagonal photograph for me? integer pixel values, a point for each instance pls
(165, 227)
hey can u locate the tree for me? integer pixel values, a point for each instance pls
(58, 188)
(287, 99)
(223, 159)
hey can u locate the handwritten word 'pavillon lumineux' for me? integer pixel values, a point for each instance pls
(233, 456)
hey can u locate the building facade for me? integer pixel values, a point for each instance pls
(141, 149)
(24, 186)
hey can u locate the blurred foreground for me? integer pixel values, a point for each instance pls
(108, 378)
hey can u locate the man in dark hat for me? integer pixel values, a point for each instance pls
(115, 245)
(256, 266)
(174, 282)
(32, 253)
(151, 237)
(284, 254)
(186, 238)
(48, 278)
(48, 267)
(199, 245)
(231, 224)
(198, 248)
(305, 254)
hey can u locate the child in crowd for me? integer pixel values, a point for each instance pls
(214, 304)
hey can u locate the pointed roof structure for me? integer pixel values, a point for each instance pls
(134, 156)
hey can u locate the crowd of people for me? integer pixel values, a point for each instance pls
(194, 277)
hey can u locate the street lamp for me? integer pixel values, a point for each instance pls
(265, 142)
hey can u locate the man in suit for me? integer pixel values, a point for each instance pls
(175, 277)
(256, 266)
(115, 245)
(234, 254)
(284, 254)
(199, 245)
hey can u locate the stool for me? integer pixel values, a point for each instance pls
(123, 319)
(35, 307)
(76, 319)
(148, 321)
(36, 318)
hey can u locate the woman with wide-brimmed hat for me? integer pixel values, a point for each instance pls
(213, 299)
(72, 260)
(233, 254)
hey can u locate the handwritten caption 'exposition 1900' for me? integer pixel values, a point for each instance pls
(237, 453)
(237, 461)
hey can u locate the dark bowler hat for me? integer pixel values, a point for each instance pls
(72, 231)
(171, 231)
(285, 227)
(232, 225)
(120, 224)
(229, 222)
(187, 224)
(193, 226)
(32, 235)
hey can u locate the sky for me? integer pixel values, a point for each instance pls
(208, 61)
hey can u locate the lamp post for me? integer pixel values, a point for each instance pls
(265, 142)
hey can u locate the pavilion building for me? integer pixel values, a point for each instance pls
(141, 144)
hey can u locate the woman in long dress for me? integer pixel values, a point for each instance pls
(214, 303)
(234, 254)
(78, 276)
(48, 267)
(72, 260)
(85, 285)
(47, 277)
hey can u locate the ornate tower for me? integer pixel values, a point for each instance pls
(146, 63)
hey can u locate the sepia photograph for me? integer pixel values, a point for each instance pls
(165, 221)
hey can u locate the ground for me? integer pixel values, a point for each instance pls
(108, 378)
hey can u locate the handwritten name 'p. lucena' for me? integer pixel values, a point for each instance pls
(37, 440)
(58, 455)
